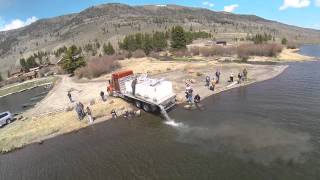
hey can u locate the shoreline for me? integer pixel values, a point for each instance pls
(65, 121)
(37, 83)
(26, 89)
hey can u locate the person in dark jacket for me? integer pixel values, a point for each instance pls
(79, 110)
(70, 96)
(102, 96)
(133, 85)
(218, 73)
(197, 99)
(239, 78)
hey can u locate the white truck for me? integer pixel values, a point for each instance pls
(151, 95)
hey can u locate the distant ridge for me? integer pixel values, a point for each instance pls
(110, 22)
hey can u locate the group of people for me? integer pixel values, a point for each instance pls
(242, 76)
(189, 95)
(81, 112)
(211, 82)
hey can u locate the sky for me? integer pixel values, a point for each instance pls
(304, 13)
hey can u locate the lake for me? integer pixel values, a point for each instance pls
(269, 130)
(21, 101)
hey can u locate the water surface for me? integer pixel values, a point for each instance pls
(24, 100)
(310, 50)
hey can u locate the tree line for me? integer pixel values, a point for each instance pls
(158, 41)
(73, 58)
(34, 60)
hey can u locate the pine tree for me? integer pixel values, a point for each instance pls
(72, 59)
(147, 45)
(178, 38)
(159, 41)
(108, 49)
(284, 41)
(31, 62)
(23, 64)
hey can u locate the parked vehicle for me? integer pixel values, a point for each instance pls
(149, 94)
(5, 118)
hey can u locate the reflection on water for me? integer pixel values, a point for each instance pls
(269, 130)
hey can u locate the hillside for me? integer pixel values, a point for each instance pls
(110, 22)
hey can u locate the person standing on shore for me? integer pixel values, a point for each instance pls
(70, 96)
(79, 111)
(231, 77)
(245, 74)
(114, 114)
(83, 114)
(239, 78)
(197, 99)
(213, 85)
(102, 96)
(218, 73)
(208, 81)
(89, 114)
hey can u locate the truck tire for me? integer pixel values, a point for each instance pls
(138, 104)
(146, 107)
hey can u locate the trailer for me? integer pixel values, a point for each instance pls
(151, 95)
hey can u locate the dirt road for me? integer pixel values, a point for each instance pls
(57, 100)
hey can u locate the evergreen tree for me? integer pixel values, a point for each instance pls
(147, 45)
(108, 49)
(159, 41)
(178, 38)
(284, 41)
(23, 64)
(31, 62)
(72, 59)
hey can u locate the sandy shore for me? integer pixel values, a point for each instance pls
(293, 55)
(287, 55)
(55, 116)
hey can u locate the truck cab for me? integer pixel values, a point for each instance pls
(114, 86)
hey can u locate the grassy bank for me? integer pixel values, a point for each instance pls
(26, 85)
(37, 129)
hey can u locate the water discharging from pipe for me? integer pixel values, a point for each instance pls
(169, 121)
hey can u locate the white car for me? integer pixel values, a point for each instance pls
(5, 118)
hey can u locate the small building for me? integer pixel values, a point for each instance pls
(223, 43)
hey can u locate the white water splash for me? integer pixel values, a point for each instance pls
(174, 124)
(169, 121)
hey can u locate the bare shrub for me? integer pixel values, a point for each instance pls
(120, 56)
(59, 70)
(154, 55)
(268, 50)
(138, 54)
(181, 53)
(98, 66)
(292, 45)
(217, 51)
(195, 51)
